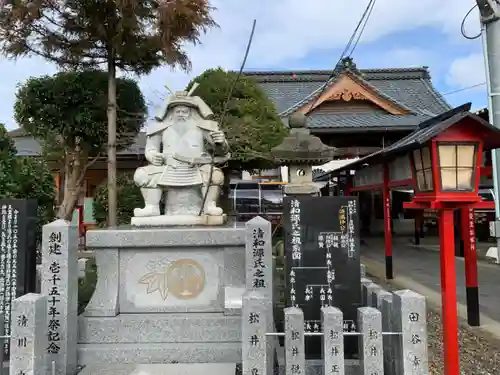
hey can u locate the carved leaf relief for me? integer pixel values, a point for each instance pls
(156, 281)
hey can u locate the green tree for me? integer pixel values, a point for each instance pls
(129, 197)
(67, 113)
(26, 178)
(7, 164)
(132, 35)
(34, 180)
(251, 124)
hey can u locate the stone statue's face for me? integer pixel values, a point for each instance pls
(182, 113)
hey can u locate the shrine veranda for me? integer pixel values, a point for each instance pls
(220, 312)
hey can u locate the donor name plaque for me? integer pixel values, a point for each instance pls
(17, 254)
(322, 263)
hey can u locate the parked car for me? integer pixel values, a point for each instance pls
(252, 198)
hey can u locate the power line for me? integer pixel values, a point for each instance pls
(363, 27)
(462, 26)
(364, 19)
(464, 88)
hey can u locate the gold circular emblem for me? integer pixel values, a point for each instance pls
(185, 279)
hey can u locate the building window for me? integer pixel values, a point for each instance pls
(423, 169)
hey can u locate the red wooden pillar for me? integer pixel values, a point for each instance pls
(389, 273)
(449, 293)
(470, 257)
(348, 185)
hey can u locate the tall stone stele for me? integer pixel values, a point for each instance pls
(183, 148)
(299, 151)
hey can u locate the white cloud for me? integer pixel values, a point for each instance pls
(287, 30)
(467, 71)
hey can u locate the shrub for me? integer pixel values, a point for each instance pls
(86, 286)
(129, 197)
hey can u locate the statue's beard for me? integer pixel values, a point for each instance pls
(189, 122)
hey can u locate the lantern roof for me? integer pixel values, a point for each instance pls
(430, 129)
(300, 147)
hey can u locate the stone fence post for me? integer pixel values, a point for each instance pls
(28, 341)
(370, 345)
(410, 318)
(254, 327)
(390, 341)
(259, 256)
(60, 285)
(294, 342)
(332, 322)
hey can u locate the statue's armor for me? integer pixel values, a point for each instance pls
(187, 143)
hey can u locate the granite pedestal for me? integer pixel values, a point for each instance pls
(164, 296)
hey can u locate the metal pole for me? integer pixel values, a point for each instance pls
(490, 14)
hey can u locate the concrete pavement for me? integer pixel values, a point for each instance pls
(417, 268)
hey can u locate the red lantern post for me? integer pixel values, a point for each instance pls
(446, 160)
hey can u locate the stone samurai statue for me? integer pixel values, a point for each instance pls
(183, 148)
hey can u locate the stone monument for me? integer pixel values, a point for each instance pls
(183, 147)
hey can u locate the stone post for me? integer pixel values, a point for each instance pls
(60, 285)
(28, 342)
(377, 297)
(372, 292)
(295, 357)
(390, 341)
(254, 327)
(332, 322)
(364, 283)
(362, 271)
(259, 256)
(259, 272)
(370, 345)
(410, 318)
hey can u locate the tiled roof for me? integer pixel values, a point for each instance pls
(362, 121)
(410, 88)
(310, 99)
(28, 146)
(425, 132)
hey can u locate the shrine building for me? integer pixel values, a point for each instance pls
(358, 111)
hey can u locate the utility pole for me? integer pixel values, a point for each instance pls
(490, 15)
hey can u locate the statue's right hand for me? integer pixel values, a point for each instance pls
(157, 159)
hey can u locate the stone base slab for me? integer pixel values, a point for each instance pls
(175, 220)
(165, 238)
(159, 328)
(163, 369)
(96, 355)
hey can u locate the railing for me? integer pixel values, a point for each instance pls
(391, 332)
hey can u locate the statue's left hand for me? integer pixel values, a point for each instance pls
(217, 137)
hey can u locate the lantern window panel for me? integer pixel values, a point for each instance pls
(423, 169)
(457, 166)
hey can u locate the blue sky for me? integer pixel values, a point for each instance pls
(294, 34)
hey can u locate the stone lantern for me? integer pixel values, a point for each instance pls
(299, 151)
